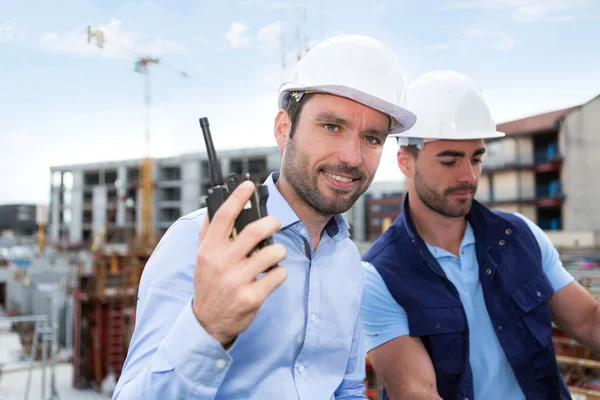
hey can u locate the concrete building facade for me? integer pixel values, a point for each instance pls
(84, 197)
(545, 168)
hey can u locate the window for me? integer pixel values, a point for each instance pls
(56, 178)
(67, 180)
(494, 149)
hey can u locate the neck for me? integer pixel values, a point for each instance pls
(434, 228)
(313, 221)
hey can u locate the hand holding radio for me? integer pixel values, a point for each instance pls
(235, 247)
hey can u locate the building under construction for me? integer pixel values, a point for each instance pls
(88, 198)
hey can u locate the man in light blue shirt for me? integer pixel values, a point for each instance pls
(211, 323)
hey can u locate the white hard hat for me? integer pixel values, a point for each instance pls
(359, 67)
(449, 105)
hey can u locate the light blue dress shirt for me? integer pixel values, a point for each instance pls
(493, 379)
(305, 343)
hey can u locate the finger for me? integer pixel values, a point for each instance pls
(204, 228)
(270, 281)
(252, 234)
(262, 260)
(222, 222)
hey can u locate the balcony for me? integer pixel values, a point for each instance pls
(549, 190)
(550, 224)
(510, 162)
(548, 159)
(549, 194)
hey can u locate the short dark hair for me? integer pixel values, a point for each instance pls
(293, 108)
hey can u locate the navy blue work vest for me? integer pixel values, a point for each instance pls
(515, 289)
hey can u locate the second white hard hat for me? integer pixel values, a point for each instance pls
(449, 105)
(359, 67)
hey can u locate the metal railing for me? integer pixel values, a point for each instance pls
(48, 334)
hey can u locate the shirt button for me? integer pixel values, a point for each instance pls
(538, 294)
(301, 369)
(488, 271)
(220, 363)
(466, 398)
(437, 326)
(500, 328)
(501, 242)
(508, 231)
(313, 317)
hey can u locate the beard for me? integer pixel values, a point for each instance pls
(439, 202)
(305, 182)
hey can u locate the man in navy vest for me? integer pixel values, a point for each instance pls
(459, 300)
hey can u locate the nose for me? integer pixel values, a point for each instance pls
(350, 153)
(467, 173)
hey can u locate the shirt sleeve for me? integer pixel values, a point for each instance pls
(352, 386)
(556, 273)
(170, 355)
(383, 319)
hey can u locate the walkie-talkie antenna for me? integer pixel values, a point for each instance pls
(214, 166)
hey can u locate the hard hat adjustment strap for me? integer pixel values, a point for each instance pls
(409, 141)
(297, 95)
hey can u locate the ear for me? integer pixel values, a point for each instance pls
(282, 128)
(406, 162)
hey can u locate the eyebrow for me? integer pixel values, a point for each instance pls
(454, 153)
(331, 118)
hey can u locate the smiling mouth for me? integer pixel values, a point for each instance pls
(340, 178)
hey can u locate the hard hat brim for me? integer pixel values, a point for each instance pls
(463, 136)
(403, 118)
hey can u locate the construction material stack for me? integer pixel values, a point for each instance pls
(104, 315)
(578, 364)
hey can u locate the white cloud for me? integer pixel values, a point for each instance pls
(268, 37)
(237, 35)
(476, 40)
(438, 47)
(18, 138)
(9, 33)
(6, 33)
(502, 41)
(527, 10)
(119, 43)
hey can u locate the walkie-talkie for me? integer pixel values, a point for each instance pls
(256, 207)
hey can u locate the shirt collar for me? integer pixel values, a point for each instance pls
(279, 208)
(468, 238)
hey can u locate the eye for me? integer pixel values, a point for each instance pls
(372, 140)
(447, 163)
(477, 161)
(331, 127)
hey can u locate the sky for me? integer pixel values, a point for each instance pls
(65, 101)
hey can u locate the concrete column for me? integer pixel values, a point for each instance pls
(121, 194)
(190, 186)
(76, 227)
(55, 207)
(99, 207)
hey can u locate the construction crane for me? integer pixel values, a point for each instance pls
(146, 238)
